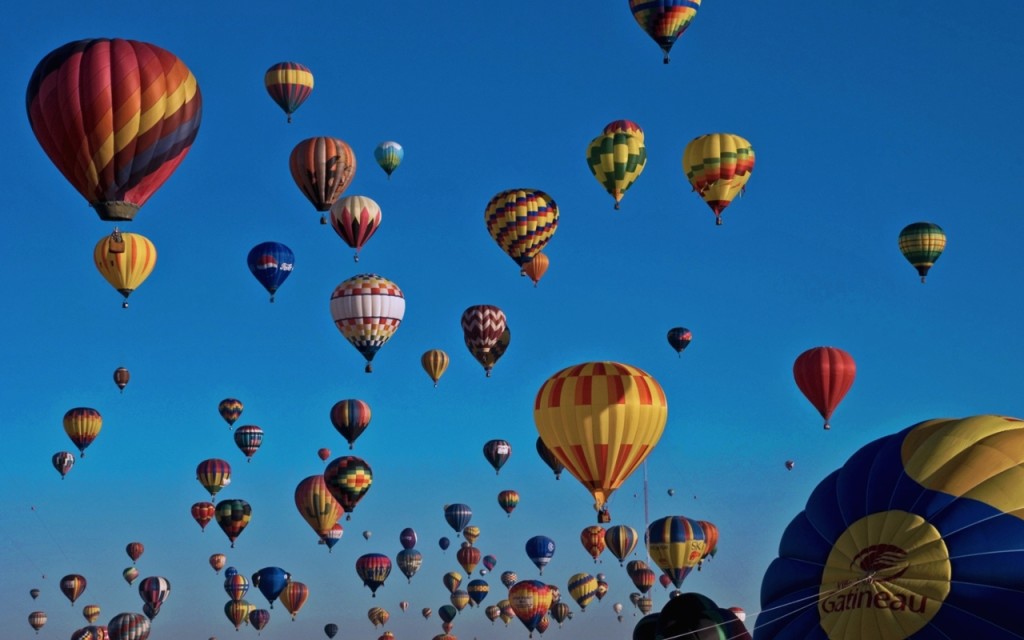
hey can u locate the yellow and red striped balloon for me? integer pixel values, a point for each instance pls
(125, 260)
(82, 425)
(718, 166)
(116, 117)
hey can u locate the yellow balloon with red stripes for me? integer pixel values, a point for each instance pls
(125, 260)
(601, 420)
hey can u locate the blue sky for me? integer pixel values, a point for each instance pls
(864, 118)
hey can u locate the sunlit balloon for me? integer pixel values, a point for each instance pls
(451, 581)
(582, 589)
(348, 479)
(530, 600)
(435, 363)
(676, 544)
(116, 117)
(601, 420)
(921, 243)
(616, 159)
(271, 263)
(641, 575)
(332, 536)
(154, 591)
(82, 424)
(236, 586)
(351, 418)
(389, 155)
(233, 517)
(459, 599)
(322, 169)
(248, 439)
(522, 222)
(824, 375)
(63, 461)
(426, 612)
(592, 538)
(355, 219)
(536, 267)
(214, 474)
(230, 409)
(621, 541)
(718, 166)
(289, 85)
(367, 309)
(125, 260)
(316, 505)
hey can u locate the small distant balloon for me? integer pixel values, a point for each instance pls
(230, 409)
(389, 155)
(323, 453)
(121, 377)
(790, 464)
(271, 263)
(63, 461)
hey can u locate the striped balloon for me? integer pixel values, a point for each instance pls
(63, 461)
(435, 362)
(529, 600)
(125, 260)
(621, 541)
(373, 569)
(294, 596)
(116, 117)
(322, 168)
(521, 221)
(367, 309)
(249, 438)
(718, 166)
(82, 424)
(259, 618)
(457, 516)
(601, 420)
(508, 499)
(134, 550)
(289, 84)
(128, 626)
(677, 545)
(154, 590)
(37, 619)
(592, 538)
(72, 586)
(616, 160)
(921, 243)
(355, 219)
(130, 575)
(482, 327)
(583, 589)
(350, 418)
(316, 505)
(664, 20)
(237, 611)
(230, 409)
(214, 474)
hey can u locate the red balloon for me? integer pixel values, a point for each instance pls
(324, 453)
(824, 375)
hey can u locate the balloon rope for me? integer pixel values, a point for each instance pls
(647, 514)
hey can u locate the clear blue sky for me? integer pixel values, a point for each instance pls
(864, 118)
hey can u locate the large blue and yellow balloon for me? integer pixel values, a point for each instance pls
(917, 536)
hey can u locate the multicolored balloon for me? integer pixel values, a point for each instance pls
(582, 588)
(259, 618)
(592, 539)
(409, 562)
(316, 505)
(373, 569)
(348, 479)
(921, 243)
(676, 544)
(233, 517)
(522, 222)
(718, 166)
(355, 219)
(154, 591)
(82, 424)
(230, 409)
(72, 586)
(482, 328)
(616, 159)
(124, 260)
(271, 263)
(824, 375)
(367, 309)
(217, 561)
(236, 586)
(351, 418)
(389, 155)
(37, 619)
(508, 500)
(664, 20)
(237, 611)
(214, 474)
(130, 575)
(679, 338)
(322, 169)
(294, 596)
(128, 626)
(63, 461)
(202, 513)
(115, 136)
(134, 550)
(621, 541)
(121, 377)
(530, 601)
(289, 84)
(248, 439)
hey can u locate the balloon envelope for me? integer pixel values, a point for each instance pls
(271, 263)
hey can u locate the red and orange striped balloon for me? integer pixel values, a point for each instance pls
(116, 117)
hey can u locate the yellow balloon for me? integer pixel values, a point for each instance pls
(718, 166)
(434, 362)
(601, 420)
(617, 159)
(125, 260)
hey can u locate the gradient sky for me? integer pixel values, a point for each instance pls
(864, 118)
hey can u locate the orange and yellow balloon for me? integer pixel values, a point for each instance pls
(718, 166)
(125, 260)
(601, 420)
(82, 425)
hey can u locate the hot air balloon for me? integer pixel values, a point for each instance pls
(403, 605)
(509, 578)
(128, 626)
(497, 453)
(642, 576)
(322, 168)
(582, 588)
(489, 357)
(921, 243)
(508, 500)
(471, 533)
(530, 600)
(259, 618)
(459, 599)
(601, 420)
(214, 474)
(373, 569)
(407, 538)
(323, 453)
(457, 516)
(443, 542)
(116, 137)
(355, 219)
(447, 612)
(289, 84)
(348, 479)
(237, 612)
(389, 155)
(616, 159)
(316, 505)
(130, 574)
(664, 20)
(367, 309)
(271, 263)
(332, 537)
(72, 586)
(550, 459)
(718, 166)
(621, 541)
(451, 581)
(271, 581)
(692, 615)
(121, 377)
(124, 260)
(236, 586)
(154, 591)
(917, 535)
(468, 557)
(330, 630)
(664, 580)
(824, 375)
(426, 612)
(602, 588)
(134, 550)
(409, 562)
(217, 561)
(34, 593)
(492, 612)
(230, 409)
(248, 438)
(592, 538)
(676, 544)
(379, 616)
(63, 461)
(790, 464)
(37, 619)
(540, 550)
(521, 221)
(536, 267)
(233, 517)
(82, 425)
(561, 612)
(489, 563)
(679, 338)
(350, 418)
(435, 363)
(294, 596)
(482, 326)
(202, 513)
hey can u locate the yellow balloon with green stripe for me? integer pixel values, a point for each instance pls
(617, 159)
(921, 243)
(718, 166)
